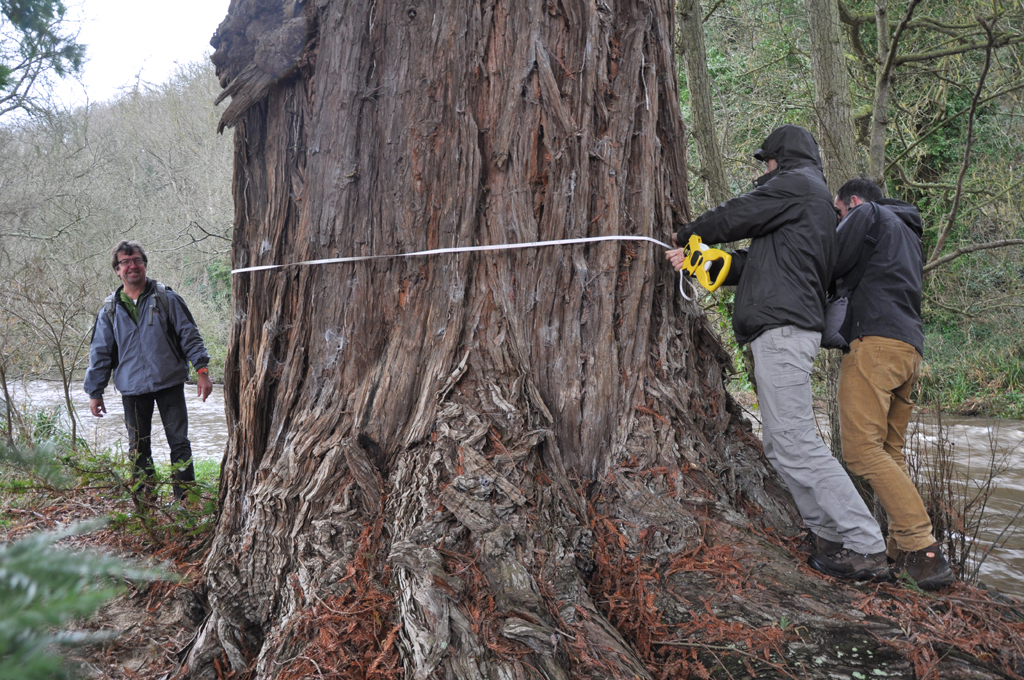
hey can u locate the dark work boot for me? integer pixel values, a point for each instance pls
(927, 566)
(812, 544)
(852, 566)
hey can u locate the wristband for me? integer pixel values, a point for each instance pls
(203, 370)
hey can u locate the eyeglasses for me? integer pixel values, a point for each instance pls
(137, 261)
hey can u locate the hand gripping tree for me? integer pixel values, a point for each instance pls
(487, 465)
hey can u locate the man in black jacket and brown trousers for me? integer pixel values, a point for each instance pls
(781, 282)
(883, 364)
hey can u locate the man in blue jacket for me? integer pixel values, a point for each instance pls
(145, 334)
(781, 282)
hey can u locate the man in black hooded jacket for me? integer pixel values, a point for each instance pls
(883, 364)
(781, 282)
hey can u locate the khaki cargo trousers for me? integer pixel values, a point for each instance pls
(875, 381)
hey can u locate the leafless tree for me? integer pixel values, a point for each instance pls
(55, 304)
(698, 81)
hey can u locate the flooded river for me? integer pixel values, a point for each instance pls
(207, 427)
(972, 439)
(979, 445)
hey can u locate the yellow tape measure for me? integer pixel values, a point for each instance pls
(698, 256)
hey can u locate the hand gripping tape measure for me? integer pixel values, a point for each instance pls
(699, 259)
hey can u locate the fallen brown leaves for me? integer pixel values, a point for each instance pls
(351, 635)
(355, 635)
(147, 622)
(628, 589)
(961, 622)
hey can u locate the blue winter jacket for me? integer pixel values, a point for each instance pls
(143, 356)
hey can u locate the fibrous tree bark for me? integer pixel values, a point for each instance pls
(500, 465)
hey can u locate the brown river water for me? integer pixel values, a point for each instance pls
(978, 445)
(207, 426)
(973, 442)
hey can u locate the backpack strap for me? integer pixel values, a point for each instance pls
(110, 304)
(160, 294)
(850, 281)
(173, 339)
(110, 307)
(161, 298)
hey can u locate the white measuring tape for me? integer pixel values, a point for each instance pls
(467, 249)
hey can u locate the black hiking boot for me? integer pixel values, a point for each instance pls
(852, 566)
(927, 566)
(812, 544)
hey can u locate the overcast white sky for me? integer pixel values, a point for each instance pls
(126, 39)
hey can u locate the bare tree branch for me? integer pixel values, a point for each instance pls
(712, 10)
(970, 47)
(891, 59)
(973, 248)
(34, 44)
(996, 197)
(958, 195)
(946, 121)
(954, 30)
(883, 86)
(932, 186)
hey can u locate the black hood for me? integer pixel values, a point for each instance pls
(906, 212)
(791, 146)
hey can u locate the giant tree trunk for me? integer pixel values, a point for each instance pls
(511, 465)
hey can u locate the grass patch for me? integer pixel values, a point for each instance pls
(974, 369)
(41, 471)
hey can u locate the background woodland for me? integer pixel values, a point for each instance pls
(928, 103)
(151, 166)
